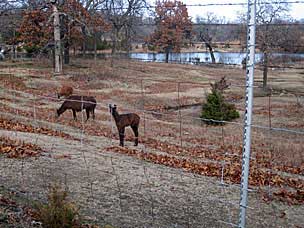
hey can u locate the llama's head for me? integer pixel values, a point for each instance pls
(57, 113)
(112, 108)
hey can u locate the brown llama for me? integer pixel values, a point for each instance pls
(77, 104)
(124, 120)
(65, 91)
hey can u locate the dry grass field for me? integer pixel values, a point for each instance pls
(184, 173)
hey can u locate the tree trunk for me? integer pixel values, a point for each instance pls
(58, 56)
(14, 52)
(84, 47)
(113, 53)
(167, 56)
(66, 52)
(211, 51)
(128, 41)
(95, 48)
(53, 58)
(114, 45)
(168, 50)
(14, 46)
(265, 69)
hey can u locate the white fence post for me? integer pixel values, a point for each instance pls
(250, 60)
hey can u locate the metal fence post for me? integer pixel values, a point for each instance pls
(250, 60)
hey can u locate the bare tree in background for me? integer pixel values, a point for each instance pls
(293, 37)
(91, 6)
(10, 17)
(120, 14)
(268, 36)
(206, 31)
(9, 23)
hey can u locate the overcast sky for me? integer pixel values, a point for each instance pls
(231, 12)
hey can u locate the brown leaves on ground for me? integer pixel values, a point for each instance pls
(208, 169)
(292, 197)
(10, 81)
(63, 156)
(12, 125)
(18, 149)
(6, 201)
(15, 215)
(231, 172)
(287, 196)
(214, 155)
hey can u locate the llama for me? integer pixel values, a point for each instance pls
(65, 91)
(124, 120)
(77, 104)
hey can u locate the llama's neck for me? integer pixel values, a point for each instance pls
(62, 109)
(115, 115)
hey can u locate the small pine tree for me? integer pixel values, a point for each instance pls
(217, 109)
(59, 212)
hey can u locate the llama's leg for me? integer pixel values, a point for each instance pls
(88, 114)
(93, 113)
(135, 130)
(74, 114)
(121, 136)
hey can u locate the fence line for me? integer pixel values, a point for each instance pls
(154, 6)
(221, 183)
(194, 62)
(159, 113)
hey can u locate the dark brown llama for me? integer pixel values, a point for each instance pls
(77, 104)
(124, 120)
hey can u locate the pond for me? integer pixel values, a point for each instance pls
(204, 57)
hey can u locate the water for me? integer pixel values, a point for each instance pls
(204, 57)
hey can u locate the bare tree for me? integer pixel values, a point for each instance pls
(269, 37)
(57, 40)
(84, 17)
(92, 7)
(293, 37)
(207, 31)
(10, 17)
(120, 14)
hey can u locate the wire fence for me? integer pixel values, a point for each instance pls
(111, 184)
